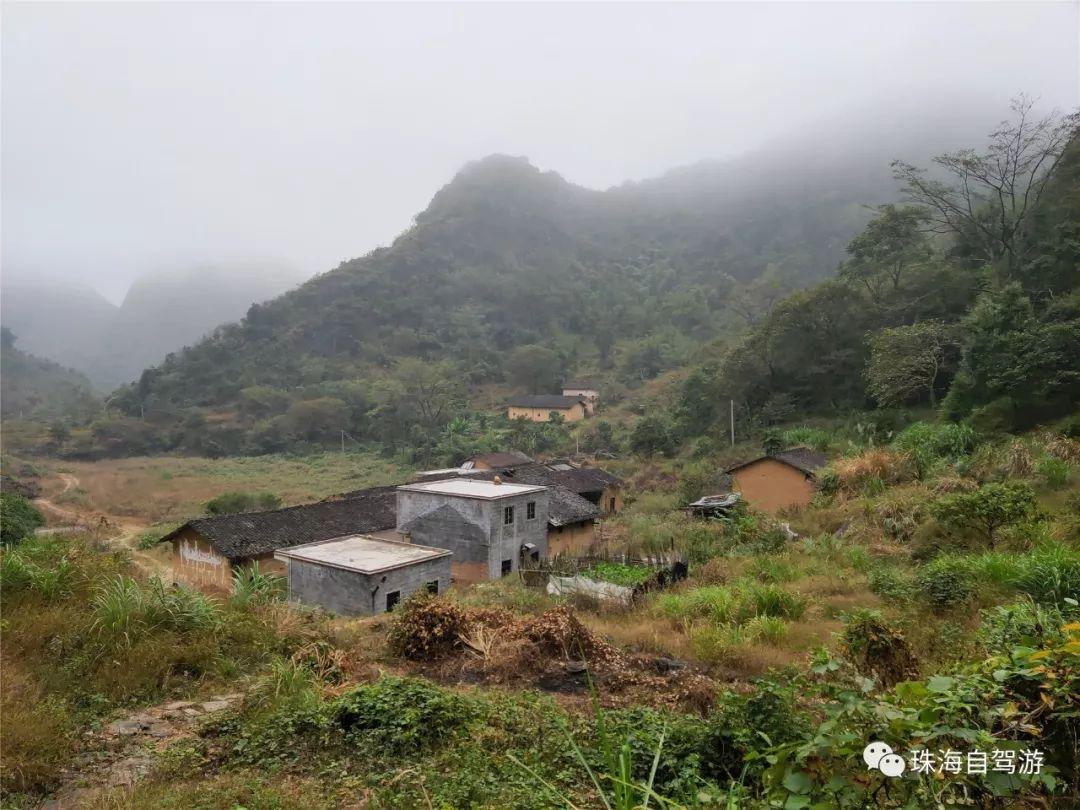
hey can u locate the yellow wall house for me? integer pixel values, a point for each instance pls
(539, 408)
(780, 481)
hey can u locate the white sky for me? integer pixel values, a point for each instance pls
(137, 137)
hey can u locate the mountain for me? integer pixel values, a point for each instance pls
(160, 314)
(40, 389)
(509, 265)
(65, 324)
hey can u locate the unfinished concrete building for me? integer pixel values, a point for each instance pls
(490, 526)
(360, 575)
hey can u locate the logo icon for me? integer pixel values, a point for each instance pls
(879, 756)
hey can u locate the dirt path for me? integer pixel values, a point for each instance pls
(70, 515)
(119, 532)
(122, 752)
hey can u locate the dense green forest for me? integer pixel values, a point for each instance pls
(959, 292)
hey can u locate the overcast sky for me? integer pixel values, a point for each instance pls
(137, 137)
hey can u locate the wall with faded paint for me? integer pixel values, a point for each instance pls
(197, 564)
(771, 485)
(575, 413)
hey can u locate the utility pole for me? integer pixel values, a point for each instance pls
(732, 422)
(343, 448)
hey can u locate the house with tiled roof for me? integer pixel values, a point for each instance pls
(542, 407)
(779, 480)
(207, 551)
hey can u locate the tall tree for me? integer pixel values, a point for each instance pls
(891, 244)
(989, 197)
(907, 362)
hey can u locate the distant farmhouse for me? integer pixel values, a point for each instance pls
(774, 482)
(588, 390)
(541, 407)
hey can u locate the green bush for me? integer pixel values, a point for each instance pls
(1051, 575)
(890, 583)
(769, 600)
(231, 503)
(1054, 471)
(945, 582)
(402, 715)
(18, 519)
(929, 443)
(986, 510)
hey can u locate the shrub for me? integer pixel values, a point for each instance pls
(1051, 575)
(771, 569)
(1024, 623)
(928, 443)
(1054, 472)
(402, 715)
(945, 582)
(230, 503)
(18, 519)
(714, 602)
(986, 509)
(876, 649)
(124, 610)
(817, 438)
(890, 583)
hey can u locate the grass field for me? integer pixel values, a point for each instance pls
(165, 488)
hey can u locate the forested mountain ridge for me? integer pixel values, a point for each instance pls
(506, 256)
(773, 298)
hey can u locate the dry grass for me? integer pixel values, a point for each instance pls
(883, 465)
(172, 488)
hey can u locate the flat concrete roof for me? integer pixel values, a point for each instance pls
(362, 553)
(472, 488)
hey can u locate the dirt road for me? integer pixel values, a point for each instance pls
(119, 532)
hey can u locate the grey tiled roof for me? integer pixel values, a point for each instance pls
(801, 458)
(251, 534)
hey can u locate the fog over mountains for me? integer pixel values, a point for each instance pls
(76, 326)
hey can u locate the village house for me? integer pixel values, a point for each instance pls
(207, 551)
(778, 481)
(587, 390)
(572, 526)
(359, 575)
(541, 408)
(490, 526)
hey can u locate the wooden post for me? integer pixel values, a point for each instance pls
(732, 423)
